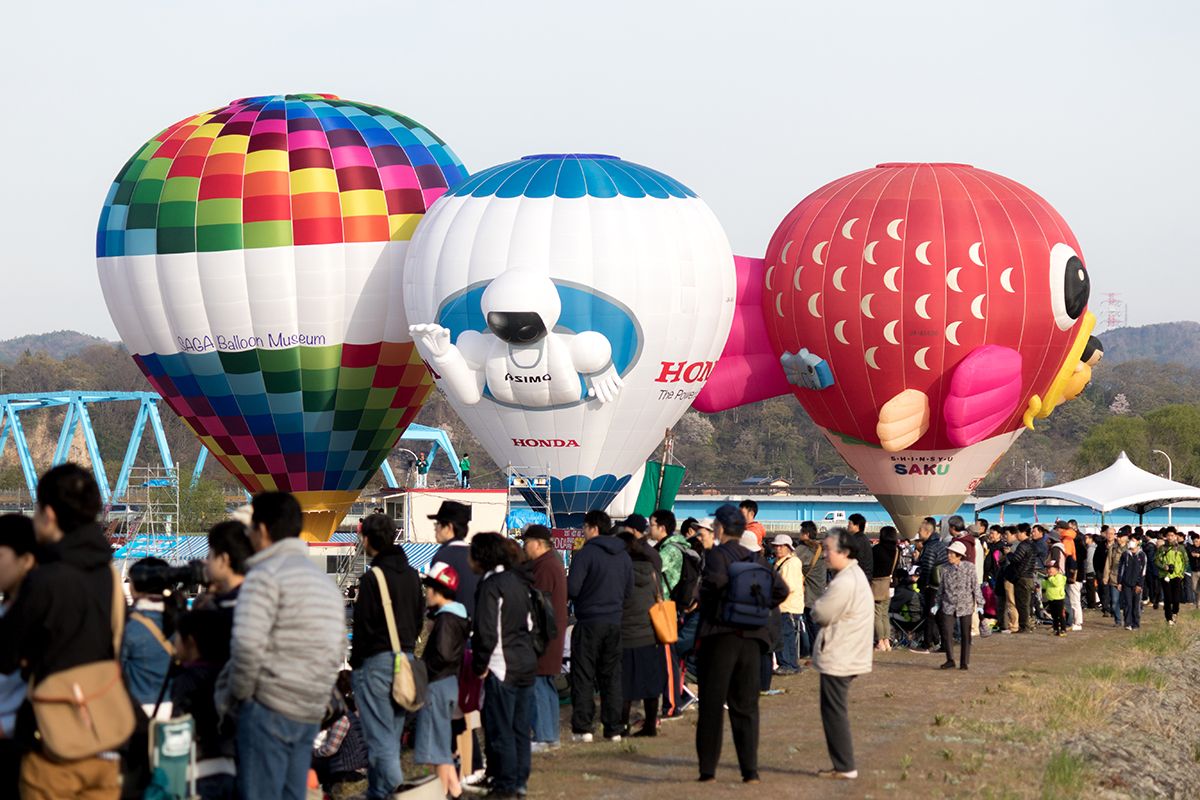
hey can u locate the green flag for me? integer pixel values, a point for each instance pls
(660, 485)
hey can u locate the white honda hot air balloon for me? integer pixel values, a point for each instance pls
(571, 307)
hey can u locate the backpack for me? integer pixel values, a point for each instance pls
(684, 593)
(747, 601)
(545, 627)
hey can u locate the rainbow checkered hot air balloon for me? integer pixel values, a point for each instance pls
(251, 260)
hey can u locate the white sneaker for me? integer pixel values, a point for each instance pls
(585, 738)
(1076, 627)
(615, 738)
(543, 747)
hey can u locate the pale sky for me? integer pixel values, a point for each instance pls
(753, 105)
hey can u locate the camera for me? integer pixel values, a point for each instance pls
(155, 576)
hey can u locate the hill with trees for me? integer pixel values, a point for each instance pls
(1145, 395)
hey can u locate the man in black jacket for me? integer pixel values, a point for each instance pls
(372, 657)
(600, 580)
(62, 619)
(730, 655)
(1025, 560)
(933, 559)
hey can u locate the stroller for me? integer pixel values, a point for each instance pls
(904, 615)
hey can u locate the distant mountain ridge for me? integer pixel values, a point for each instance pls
(1164, 342)
(56, 344)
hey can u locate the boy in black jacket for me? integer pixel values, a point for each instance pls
(443, 657)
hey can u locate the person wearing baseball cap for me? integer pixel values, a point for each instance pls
(730, 650)
(443, 658)
(546, 567)
(791, 571)
(451, 525)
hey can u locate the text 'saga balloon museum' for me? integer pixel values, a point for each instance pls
(294, 273)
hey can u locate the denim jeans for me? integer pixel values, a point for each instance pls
(274, 753)
(789, 651)
(544, 716)
(1114, 602)
(506, 733)
(382, 724)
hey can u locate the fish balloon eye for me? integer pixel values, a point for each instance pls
(1070, 286)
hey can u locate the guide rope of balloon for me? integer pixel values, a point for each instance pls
(295, 273)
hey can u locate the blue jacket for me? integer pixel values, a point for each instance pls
(600, 580)
(143, 660)
(1132, 570)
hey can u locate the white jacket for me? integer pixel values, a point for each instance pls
(846, 614)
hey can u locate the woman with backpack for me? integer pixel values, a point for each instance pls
(642, 663)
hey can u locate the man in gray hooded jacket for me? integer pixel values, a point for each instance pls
(289, 640)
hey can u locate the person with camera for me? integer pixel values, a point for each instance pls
(63, 619)
(289, 639)
(372, 658)
(146, 649)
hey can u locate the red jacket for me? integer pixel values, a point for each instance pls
(550, 577)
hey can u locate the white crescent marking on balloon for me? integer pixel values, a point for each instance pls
(869, 253)
(783, 255)
(770, 272)
(865, 305)
(817, 257)
(952, 332)
(974, 253)
(848, 228)
(796, 277)
(812, 305)
(889, 332)
(893, 228)
(839, 331)
(1006, 280)
(952, 279)
(977, 307)
(889, 279)
(779, 304)
(923, 253)
(920, 306)
(919, 358)
(870, 356)
(837, 278)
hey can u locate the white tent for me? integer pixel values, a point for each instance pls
(1122, 485)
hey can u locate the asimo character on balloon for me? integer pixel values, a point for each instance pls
(521, 359)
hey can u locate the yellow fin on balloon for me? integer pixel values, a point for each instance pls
(903, 420)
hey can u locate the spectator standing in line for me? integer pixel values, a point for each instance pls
(549, 577)
(1131, 574)
(1171, 561)
(810, 551)
(857, 525)
(502, 655)
(680, 579)
(443, 657)
(958, 598)
(845, 613)
(451, 525)
(63, 618)
(884, 557)
(1025, 560)
(600, 581)
(1054, 590)
(1193, 554)
(202, 650)
(17, 558)
(1112, 567)
(289, 640)
(146, 650)
(749, 509)
(791, 572)
(933, 559)
(228, 550)
(642, 664)
(372, 657)
(731, 646)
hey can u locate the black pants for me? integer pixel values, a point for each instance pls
(948, 624)
(1058, 613)
(1172, 592)
(1024, 594)
(596, 666)
(928, 601)
(466, 479)
(1153, 590)
(835, 718)
(729, 675)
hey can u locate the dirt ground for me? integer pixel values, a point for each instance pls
(918, 731)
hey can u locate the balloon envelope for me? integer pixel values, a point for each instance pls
(572, 307)
(251, 259)
(925, 313)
